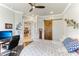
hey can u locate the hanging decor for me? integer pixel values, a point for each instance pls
(8, 26)
(71, 22)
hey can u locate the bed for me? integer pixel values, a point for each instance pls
(46, 48)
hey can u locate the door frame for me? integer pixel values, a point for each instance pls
(44, 29)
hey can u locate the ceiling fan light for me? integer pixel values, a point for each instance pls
(51, 12)
(33, 7)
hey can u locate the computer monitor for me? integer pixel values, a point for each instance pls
(5, 35)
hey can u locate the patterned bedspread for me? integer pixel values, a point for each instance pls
(46, 48)
(71, 45)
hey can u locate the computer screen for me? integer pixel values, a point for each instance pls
(5, 35)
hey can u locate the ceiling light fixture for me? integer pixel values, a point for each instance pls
(51, 12)
(33, 7)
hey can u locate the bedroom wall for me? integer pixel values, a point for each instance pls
(72, 13)
(58, 30)
(18, 19)
(8, 16)
(38, 22)
(57, 27)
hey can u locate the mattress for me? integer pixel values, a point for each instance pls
(46, 48)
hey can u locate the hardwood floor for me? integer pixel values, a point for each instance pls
(27, 43)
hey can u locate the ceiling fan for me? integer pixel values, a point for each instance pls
(34, 6)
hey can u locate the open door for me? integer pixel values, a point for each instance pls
(40, 33)
(48, 29)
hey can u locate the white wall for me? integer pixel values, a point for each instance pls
(40, 24)
(57, 27)
(72, 13)
(18, 19)
(8, 16)
(58, 30)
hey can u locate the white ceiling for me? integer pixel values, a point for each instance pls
(56, 8)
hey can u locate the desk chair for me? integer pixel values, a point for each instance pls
(11, 46)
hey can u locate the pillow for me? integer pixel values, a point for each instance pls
(71, 45)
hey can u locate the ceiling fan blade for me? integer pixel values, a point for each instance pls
(31, 4)
(39, 6)
(30, 9)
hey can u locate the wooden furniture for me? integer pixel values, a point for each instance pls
(27, 33)
(27, 43)
(27, 29)
(26, 40)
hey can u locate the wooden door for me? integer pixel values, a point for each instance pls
(48, 29)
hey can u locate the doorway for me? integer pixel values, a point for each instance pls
(48, 29)
(40, 33)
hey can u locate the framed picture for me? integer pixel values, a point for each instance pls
(8, 26)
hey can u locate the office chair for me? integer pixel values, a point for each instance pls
(12, 45)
